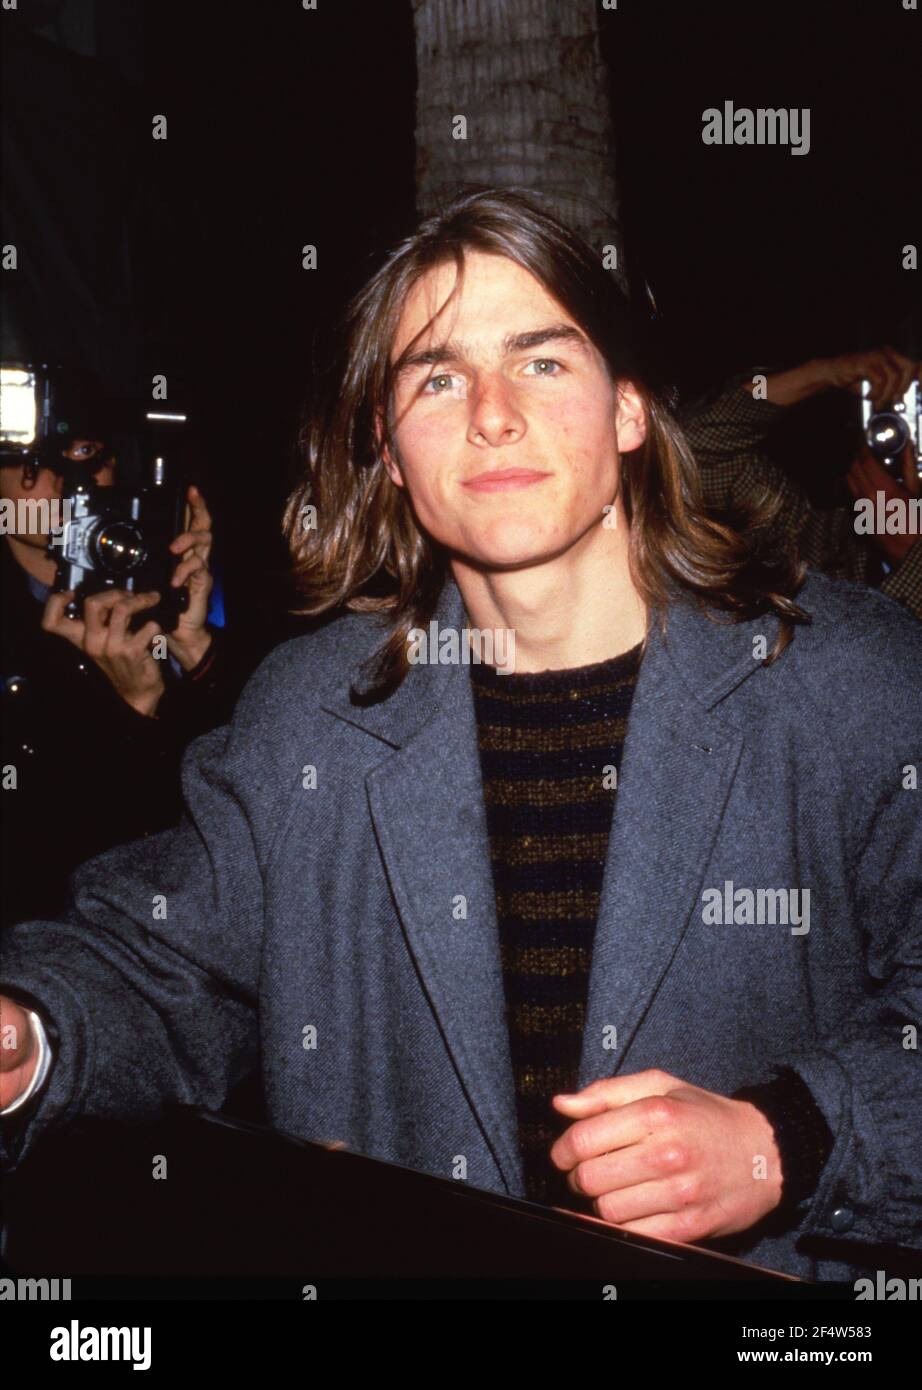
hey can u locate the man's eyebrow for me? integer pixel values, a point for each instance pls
(455, 351)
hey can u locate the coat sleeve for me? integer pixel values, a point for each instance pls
(148, 981)
(867, 1079)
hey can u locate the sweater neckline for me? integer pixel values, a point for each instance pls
(618, 667)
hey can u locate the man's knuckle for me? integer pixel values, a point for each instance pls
(686, 1189)
(670, 1158)
(590, 1185)
(608, 1207)
(687, 1224)
(581, 1145)
(659, 1111)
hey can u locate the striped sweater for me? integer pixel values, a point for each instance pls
(550, 749)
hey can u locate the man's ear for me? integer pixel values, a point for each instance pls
(384, 453)
(630, 418)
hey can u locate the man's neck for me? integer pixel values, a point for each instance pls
(577, 609)
(36, 562)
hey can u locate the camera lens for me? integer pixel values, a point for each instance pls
(888, 434)
(119, 547)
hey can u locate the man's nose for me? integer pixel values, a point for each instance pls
(495, 414)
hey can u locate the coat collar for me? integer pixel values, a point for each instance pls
(709, 655)
(679, 761)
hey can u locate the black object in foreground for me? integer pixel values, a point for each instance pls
(241, 1200)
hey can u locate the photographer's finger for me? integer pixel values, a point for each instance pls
(879, 375)
(54, 618)
(200, 541)
(904, 370)
(121, 610)
(141, 640)
(893, 388)
(97, 615)
(186, 568)
(201, 517)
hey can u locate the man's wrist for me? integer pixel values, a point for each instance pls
(145, 704)
(803, 1139)
(190, 651)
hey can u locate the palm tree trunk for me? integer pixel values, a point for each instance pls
(527, 78)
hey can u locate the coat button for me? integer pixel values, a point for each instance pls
(842, 1219)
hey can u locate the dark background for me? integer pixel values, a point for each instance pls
(288, 127)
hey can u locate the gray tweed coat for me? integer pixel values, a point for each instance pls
(310, 930)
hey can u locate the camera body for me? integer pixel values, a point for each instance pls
(118, 538)
(887, 432)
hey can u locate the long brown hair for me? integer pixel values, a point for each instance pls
(363, 549)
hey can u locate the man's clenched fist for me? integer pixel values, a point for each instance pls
(666, 1159)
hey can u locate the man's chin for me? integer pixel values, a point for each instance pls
(510, 559)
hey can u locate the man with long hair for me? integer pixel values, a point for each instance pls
(627, 920)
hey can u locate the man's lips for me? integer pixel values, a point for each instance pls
(501, 479)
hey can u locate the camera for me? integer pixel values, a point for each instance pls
(118, 538)
(109, 537)
(887, 432)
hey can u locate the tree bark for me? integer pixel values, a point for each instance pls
(528, 78)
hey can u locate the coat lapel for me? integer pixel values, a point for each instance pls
(429, 817)
(678, 765)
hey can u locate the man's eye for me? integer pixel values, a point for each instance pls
(442, 384)
(543, 365)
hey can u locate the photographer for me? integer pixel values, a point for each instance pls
(728, 429)
(94, 724)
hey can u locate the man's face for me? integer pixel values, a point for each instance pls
(47, 485)
(508, 430)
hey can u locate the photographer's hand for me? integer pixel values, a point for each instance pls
(888, 371)
(191, 639)
(103, 634)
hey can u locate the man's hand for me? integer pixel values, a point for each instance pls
(103, 634)
(191, 639)
(887, 370)
(867, 476)
(18, 1051)
(666, 1159)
